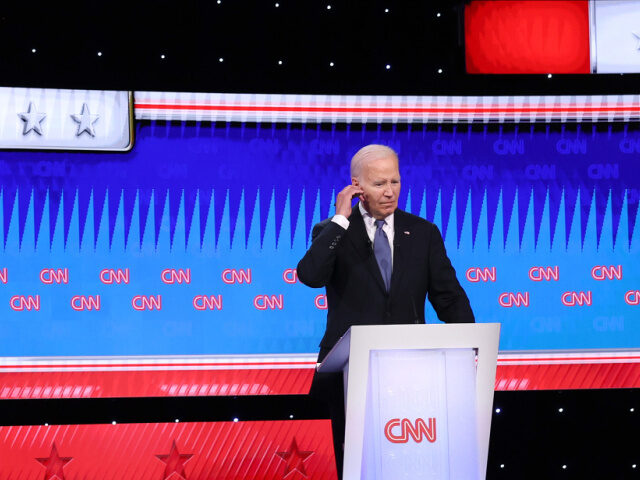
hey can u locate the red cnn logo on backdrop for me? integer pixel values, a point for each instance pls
(538, 274)
(290, 275)
(171, 276)
(573, 299)
(207, 302)
(509, 299)
(399, 431)
(602, 272)
(82, 302)
(632, 297)
(4, 275)
(231, 275)
(109, 276)
(268, 302)
(58, 275)
(22, 302)
(147, 302)
(477, 274)
(321, 302)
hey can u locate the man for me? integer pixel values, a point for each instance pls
(377, 264)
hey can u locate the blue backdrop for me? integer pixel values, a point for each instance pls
(222, 202)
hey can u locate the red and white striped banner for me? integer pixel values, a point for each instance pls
(100, 377)
(383, 109)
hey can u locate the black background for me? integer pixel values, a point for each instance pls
(252, 36)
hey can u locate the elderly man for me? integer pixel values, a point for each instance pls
(378, 264)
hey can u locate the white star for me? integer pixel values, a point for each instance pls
(637, 39)
(86, 121)
(32, 120)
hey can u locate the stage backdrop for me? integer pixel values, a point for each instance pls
(188, 244)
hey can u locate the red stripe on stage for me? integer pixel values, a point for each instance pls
(566, 359)
(138, 365)
(154, 383)
(288, 381)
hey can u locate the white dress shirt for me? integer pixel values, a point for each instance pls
(370, 225)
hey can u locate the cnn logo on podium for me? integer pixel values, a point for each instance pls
(399, 431)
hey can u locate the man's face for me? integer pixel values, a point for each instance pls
(380, 182)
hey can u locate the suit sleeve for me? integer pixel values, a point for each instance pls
(447, 296)
(316, 267)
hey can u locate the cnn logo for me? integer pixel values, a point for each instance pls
(632, 297)
(49, 276)
(232, 275)
(89, 302)
(268, 302)
(510, 299)
(146, 302)
(207, 302)
(576, 299)
(477, 274)
(399, 431)
(171, 276)
(321, 302)
(109, 276)
(290, 275)
(604, 272)
(539, 274)
(20, 303)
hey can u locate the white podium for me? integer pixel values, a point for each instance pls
(418, 400)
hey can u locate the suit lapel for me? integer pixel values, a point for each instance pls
(357, 234)
(401, 246)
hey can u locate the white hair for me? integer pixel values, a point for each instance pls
(367, 154)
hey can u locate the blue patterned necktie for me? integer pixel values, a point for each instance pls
(382, 251)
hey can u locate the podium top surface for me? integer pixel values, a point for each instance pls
(410, 336)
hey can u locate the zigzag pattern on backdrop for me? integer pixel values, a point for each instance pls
(205, 220)
(228, 180)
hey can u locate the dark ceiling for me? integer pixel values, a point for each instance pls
(298, 46)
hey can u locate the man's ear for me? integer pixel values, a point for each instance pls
(354, 182)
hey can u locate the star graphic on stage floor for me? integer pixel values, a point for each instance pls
(175, 463)
(54, 464)
(295, 459)
(85, 121)
(32, 120)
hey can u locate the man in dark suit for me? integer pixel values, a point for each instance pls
(344, 258)
(377, 263)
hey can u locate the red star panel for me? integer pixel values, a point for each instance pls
(302, 449)
(175, 462)
(295, 459)
(54, 464)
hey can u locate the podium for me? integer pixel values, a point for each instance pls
(418, 399)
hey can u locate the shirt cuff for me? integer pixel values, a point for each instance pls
(341, 220)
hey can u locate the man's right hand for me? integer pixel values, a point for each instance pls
(344, 199)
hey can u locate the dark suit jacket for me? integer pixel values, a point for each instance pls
(343, 262)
